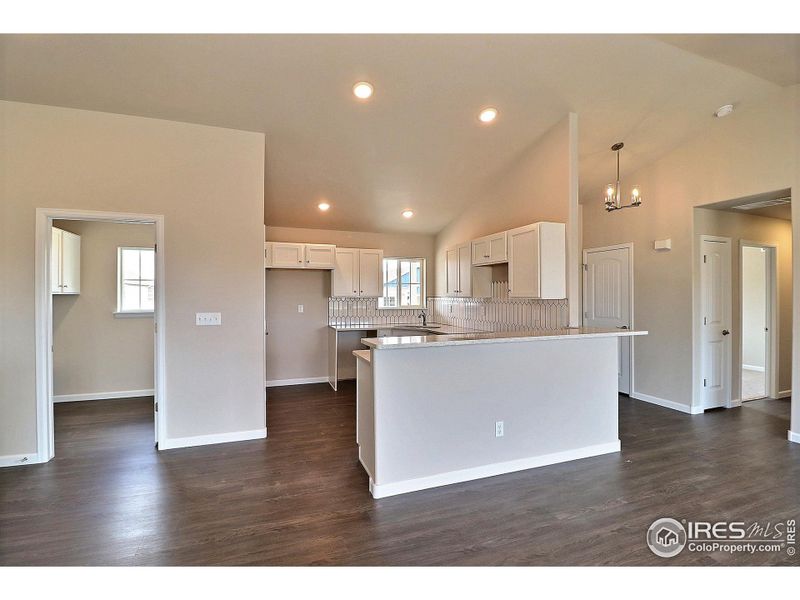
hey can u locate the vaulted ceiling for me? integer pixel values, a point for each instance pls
(417, 143)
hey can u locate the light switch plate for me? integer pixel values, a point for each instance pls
(207, 319)
(300, 308)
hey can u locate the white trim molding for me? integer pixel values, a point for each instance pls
(104, 395)
(684, 408)
(511, 466)
(753, 368)
(20, 460)
(299, 381)
(212, 438)
(794, 437)
(784, 394)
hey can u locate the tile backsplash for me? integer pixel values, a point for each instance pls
(484, 314)
(493, 314)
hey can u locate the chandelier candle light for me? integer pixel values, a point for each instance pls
(614, 191)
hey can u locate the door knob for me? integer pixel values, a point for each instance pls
(725, 332)
(622, 327)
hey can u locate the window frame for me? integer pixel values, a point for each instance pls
(423, 283)
(120, 312)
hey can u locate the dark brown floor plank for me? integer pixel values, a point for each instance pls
(301, 497)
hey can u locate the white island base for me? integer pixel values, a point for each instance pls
(429, 407)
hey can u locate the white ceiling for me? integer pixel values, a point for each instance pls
(417, 143)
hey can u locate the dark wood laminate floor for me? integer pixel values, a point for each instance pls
(300, 497)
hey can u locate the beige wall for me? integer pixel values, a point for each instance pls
(541, 185)
(753, 228)
(208, 183)
(94, 352)
(750, 152)
(297, 344)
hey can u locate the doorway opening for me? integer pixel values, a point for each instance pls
(99, 299)
(758, 279)
(743, 301)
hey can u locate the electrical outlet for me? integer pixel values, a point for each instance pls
(498, 429)
(300, 308)
(207, 319)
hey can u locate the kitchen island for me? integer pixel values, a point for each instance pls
(440, 409)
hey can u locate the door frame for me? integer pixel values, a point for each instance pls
(772, 317)
(697, 318)
(624, 246)
(45, 443)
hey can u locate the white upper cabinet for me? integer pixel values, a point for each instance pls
(344, 281)
(459, 270)
(65, 262)
(489, 250)
(358, 272)
(370, 273)
(537, 261)
(320, 256)
(286, 255)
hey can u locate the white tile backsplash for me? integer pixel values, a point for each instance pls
(484, 314)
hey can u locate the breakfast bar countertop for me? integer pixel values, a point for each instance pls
(486, 337)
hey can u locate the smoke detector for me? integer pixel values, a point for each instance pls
(723, 111)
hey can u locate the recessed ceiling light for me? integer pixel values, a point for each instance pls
(487, 115)
(723, 111)
(323, 206)
(363, 90)
(408, 213)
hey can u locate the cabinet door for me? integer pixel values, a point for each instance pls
(288, 256)
(480, 251)
(451, 272)
(464, 271)
(320, 256)
(552, 260)
(70, 263)
(267, 255)
(55, 262)
(498, 248)
(523, 262)
(370, 273)
(344, 279)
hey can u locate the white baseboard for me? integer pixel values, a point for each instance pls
(103, 395)
(753, 368)
(19, 460)
(214, 438)
(736, 403)
(684, 408)
(298, 381)
(794, 437)
(422, 483)
(784, 394)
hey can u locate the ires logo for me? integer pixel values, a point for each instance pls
(667, 537)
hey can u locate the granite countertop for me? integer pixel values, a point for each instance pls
(432, 328)
(418, 341)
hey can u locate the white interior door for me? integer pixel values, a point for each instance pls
(715, 299)
(607, 300)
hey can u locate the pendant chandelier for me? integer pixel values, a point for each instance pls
(614, 191)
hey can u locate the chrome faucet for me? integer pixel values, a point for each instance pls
(424, 318)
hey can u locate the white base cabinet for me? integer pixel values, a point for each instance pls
(65, 262)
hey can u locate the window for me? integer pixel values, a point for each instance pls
(135, 280)
(403, 283)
